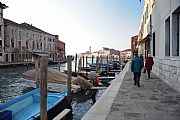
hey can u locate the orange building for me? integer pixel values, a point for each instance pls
(134, 42)
(59, 49)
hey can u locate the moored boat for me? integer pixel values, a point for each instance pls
(27, 106)
(56, 81)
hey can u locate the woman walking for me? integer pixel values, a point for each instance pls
(148, 64)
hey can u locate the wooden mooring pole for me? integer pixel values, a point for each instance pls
(92, 60)
(37, 72)
(59, 64)
(69, 74)
(86, 66)
(75, 64)
(97, 62)
(107, 59)
(83, 62)
(43, 87)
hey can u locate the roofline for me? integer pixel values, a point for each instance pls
(3, 6)
(23, 25)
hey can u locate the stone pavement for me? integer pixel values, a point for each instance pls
(154, 100)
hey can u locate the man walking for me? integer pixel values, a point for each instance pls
(136, 66)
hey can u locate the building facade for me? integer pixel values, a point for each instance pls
(2, 6)
(59, 49)
(126, 54)
(23, 40)
(134, 43)
(163, 37)
(145, 29)
(104, 53)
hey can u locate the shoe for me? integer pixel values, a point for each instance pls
(135, 84)
(138, 85)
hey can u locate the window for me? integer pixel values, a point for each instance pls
(26, 35)
(7, 58)
(175, 32)
(26, 56)
(20, 56)
(0, 30)
(44, 46)
(37, 45)
(0, 43)
(12, 57)
(50, 47)
(19, 45)
(167, 37)
(154, 47)
(12, 42)
(26, 45)
(12, 31)
(20, 34)
(33, 45)
(41, 45)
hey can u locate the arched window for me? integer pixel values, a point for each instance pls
(33, 45)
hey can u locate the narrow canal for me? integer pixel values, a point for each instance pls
(11, 86)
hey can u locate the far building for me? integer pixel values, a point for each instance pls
(59, 49)
(126, 54)
(134, 43)
(104, 53)
(18, 42)
(23, 40)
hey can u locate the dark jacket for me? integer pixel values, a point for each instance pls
(137, 64)
(149, 63)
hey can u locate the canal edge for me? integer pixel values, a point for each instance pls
(100, 110)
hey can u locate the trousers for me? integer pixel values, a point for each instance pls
(137, 76)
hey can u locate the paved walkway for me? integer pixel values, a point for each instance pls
(154, 100)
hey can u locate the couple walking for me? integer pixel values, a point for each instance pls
(137, 64)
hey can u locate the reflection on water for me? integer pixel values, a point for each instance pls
(82, 102)
(10, 83)
(11, 86)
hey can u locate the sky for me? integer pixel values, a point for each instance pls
(81, 23)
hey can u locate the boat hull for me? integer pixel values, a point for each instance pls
(27, 106)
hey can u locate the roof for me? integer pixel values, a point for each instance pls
(26, 26)
(126, 50)
(3, 6)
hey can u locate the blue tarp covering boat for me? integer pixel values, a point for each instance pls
(27, 106)
(101, 65)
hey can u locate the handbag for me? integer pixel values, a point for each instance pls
(144, 70)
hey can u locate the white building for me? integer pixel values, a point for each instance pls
(126, 54)
(160, 27)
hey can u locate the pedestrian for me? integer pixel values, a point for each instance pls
(148, 64)
(136, 66)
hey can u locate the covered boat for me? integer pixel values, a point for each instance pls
(56, 81)
(27, 106)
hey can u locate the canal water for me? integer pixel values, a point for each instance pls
(11, 86)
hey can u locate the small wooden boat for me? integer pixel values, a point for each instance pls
(57, 81)
(27, 106)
